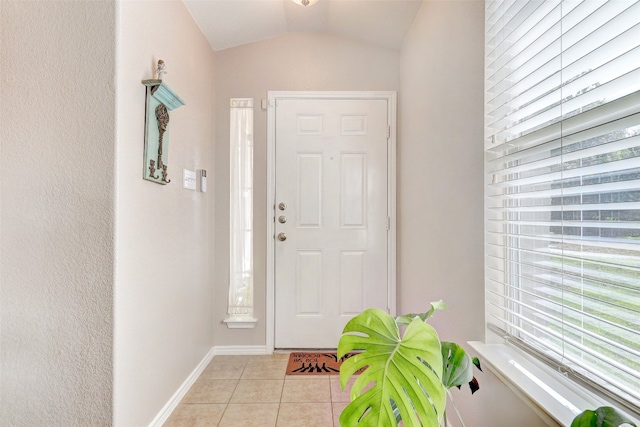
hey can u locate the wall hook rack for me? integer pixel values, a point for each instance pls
(160, 99)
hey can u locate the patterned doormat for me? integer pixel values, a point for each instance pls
(315, 363)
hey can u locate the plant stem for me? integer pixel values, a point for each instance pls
(456, 408)
(446, 424)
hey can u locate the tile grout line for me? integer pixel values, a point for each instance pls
(280, 400)
(333, 415)
(226, 406)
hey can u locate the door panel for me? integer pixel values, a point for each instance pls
(331, 173)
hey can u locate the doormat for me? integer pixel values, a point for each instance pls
(316, 363)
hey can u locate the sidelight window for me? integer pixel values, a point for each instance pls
(240, 307)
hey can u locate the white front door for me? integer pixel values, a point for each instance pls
(331, 216)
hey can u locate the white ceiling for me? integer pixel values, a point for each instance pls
(229, 23)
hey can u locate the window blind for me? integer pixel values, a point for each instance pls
(562, 122)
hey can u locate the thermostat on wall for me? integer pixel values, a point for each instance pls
(203, 181)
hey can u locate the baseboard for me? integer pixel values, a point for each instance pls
(171, 405)
(245, 350)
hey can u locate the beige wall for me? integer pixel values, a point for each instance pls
(57, 114)
(440, 203)
(440, 164)
(164, 234)
(294, 61)
(69, 356)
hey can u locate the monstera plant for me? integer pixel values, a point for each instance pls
(604, 416)
(407, 370)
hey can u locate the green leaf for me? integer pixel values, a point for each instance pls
(407, 318)
(605, 416)
(458, 365)
(476, 362)
(404, 374)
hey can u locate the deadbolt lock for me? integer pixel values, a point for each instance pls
(282, 206)
(282, 219)
(282, 237)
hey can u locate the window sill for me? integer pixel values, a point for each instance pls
(556, 399)
(240, 322)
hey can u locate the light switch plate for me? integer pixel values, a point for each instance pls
(188, 179)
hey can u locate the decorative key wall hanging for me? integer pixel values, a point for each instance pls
(160, 100)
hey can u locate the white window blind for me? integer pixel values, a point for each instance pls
(563, 185)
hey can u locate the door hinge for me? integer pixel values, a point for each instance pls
(388, 131)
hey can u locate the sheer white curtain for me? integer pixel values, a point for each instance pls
(241, 210)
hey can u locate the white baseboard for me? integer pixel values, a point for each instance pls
(244, 350)
(171, 405)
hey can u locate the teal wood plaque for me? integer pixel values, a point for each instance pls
(160, 99)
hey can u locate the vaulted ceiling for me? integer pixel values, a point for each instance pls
(230, 23)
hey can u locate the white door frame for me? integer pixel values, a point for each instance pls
(273, 97)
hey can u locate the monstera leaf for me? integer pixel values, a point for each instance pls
(403, 373)
(604, 416)
(408, 318)
(458, 366)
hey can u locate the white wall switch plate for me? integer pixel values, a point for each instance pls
(188, 179)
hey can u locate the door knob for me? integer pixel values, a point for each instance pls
(282, 219)
(282, 206)
(282, 237)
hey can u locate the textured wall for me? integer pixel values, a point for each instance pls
(57, 112)
(297, 61)
(164, 233)
(440, 204)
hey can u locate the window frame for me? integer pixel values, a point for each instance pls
(512, 251)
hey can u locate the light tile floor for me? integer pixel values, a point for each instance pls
(253, 391)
